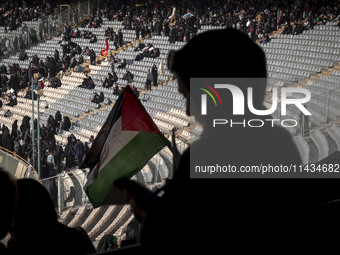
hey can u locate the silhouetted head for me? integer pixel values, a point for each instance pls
(226, 53)
(7, 191)
(35, 209)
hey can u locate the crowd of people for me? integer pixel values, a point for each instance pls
(28, 205)
(145, 51)
(19, 140)
(162, 217)
(13, 13)
(181, 21)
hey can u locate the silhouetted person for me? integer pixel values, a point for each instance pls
(36, 228)
(222, 214)
(7, 200)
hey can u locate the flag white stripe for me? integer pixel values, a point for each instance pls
(116, 140)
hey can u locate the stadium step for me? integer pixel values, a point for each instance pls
(331, 142)
(303, 82)
(334, 69)
(313, 153)
(328, 72)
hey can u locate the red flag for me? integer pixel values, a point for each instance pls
(105, 51)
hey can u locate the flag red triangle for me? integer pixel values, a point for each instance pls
(134, 116)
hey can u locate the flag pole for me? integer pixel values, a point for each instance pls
(33, 158)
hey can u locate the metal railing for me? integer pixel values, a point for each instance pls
(16, 165)
(324, 107)
(67, 189)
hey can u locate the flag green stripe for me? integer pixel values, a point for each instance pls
(127, 162)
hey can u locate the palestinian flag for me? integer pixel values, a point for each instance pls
(126, 142)
(190, 12)
(279, 16)
(105, 51)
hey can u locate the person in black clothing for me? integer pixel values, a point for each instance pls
(113, 77)
(55, 83)
(173, 35)
(70, 152)
(123, 64)
(8, 205)
(66, 49)
(93, 39)
(51, 123)
(143, 30)
(66, 123)
(28, 94)
(140, 47)
(80, 60)
(14, 134)
(7, 141)
(12, 101)
(22, 55)
(73, 63)
(115, 90)
(92, 57)
(139, 57)
(106, 83)
(79, 152)
(248, 207)
(128, 76)
(101, 97)
(57, 118)
(149, 79)
(120, 38)
(33, 201)
(137, 30)
(115, 40)
(25, 124)
(58, 158)
(3, 69)
(87, 82)
(95, 98)
(154, 72)
(56, 55)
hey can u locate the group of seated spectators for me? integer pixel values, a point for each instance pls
(94, 21)
(13, 13)
(146, 51)
(76, 33)
(55, 82)
(13, 79)
(22, 55)
(87, 82)
(19, 140)
(257, 19)
(11, 98)
(110, 80)
(97, 99)
(115, 36)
